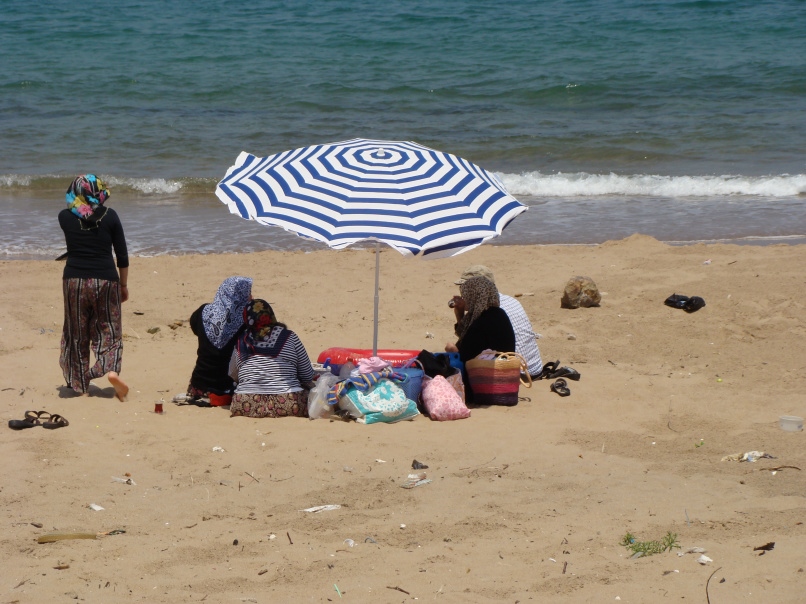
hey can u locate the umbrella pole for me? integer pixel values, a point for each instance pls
(377, 280)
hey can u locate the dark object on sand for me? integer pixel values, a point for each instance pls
(55, 421)
(565, 372)
(560, 386)
(690, 305)
(32, 418)
(765, 548)
(416, 465)
(548, 369)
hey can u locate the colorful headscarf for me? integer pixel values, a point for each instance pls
(479, 294)
(224, 316)
(263, 335)
(85, 194)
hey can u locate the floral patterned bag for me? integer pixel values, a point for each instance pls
(385, 401)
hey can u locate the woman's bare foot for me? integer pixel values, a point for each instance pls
(121, 389)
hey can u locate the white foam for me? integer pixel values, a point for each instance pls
(149, 186)
(582, 184)
(12, 180)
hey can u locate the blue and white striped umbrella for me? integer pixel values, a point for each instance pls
(417, 200)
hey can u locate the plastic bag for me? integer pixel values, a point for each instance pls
(346, 370)
(318, 407)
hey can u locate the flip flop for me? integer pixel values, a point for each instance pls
(55, 421)
(565, 372)
(31, 419)
(560, 386)
(548, 369)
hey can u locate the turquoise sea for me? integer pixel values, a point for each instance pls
(684, 120)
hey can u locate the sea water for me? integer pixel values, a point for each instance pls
(684, 120)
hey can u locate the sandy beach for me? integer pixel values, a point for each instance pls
(528, 503)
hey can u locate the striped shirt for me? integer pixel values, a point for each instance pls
(261, 374)
(525, 337)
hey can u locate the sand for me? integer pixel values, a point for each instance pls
(526, 503)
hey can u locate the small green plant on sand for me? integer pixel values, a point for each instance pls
(647, 548)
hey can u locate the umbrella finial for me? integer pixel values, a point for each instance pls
(381, 152)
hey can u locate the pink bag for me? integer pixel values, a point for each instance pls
(441, 401)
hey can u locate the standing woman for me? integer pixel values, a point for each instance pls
(93, 291)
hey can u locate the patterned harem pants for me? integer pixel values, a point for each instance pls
(91, 318)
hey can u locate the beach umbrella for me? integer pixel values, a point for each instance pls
(419, 201)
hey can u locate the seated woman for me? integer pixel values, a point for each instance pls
(217, 326)
(480, 324)
(270, 366)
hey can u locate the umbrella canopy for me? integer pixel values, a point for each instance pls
(419, 201)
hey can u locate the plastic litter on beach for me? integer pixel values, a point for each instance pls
(95, 507)
(692, 550)
(750, 456)
(415, 480)
(219, 449)
(322, 508)
(124, 480)
(703, 559)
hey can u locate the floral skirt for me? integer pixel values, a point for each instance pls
(91, 322)
(289, 404)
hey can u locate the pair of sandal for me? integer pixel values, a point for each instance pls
(553, 371)
(38, 418)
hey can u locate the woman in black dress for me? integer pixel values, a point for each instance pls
(217, 326)
(481, 324)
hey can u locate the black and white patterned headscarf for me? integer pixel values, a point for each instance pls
(224, 316)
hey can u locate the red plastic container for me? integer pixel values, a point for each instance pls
(336, 357)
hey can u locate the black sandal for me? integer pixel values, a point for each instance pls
(55, 421)
(566, 372)
(560, 386)
(31, 419)
(548, 369)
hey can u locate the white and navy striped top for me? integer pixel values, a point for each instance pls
(263, 374)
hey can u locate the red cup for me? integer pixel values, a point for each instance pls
(158, 408)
